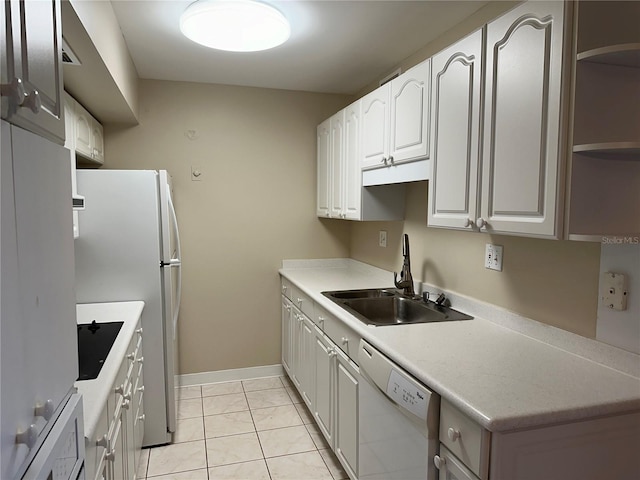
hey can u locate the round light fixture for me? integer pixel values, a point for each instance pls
(234, 25)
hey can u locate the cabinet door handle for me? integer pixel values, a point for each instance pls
(300, 302)
(141, 389)
(44, 410)
(102, 441)
(14, 90)
(439, 461)
(344, 340)
(391, 159)
(139, 331)
(321, 321)
(32, 101)
(482, 223)
(453, 434)
(110, 456)
(284, 289)
(29, 437)
(141, 417)
(120, 389)
(384, 160)
(468, 223)
(126, 404)
(141, 360)
(131, 356)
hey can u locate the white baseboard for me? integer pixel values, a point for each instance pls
(235, 374)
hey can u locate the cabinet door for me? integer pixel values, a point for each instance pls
(296, 344)
(455, 133)
(337, 165)
(324, 391)
(97, 141)
(352, 171)
(116, 457)
(287, 324)
(34, 53)
(451, 468)
(324, 169)
(17, 410)
(307, 361)
(410, 99)
(522, 123)
(346, 437)
(375, 127)
(83, 131)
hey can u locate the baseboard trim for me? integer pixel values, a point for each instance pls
(232, 375)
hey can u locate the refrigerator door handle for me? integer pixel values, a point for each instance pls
(175, 262)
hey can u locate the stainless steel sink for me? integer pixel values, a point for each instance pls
(382, 307)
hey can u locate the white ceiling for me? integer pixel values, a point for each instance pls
(335, 46)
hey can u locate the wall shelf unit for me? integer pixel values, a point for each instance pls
(604, 162)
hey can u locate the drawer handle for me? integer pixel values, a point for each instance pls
(139, 331)
(110, 456)
(284, 289)
(453, 434)
(141, 418)
(131, 356)
(141, 360)
(141, 389)
(439, 462)
(300, 302)
(321, 321)
(126, 404)
(345, 340)
(103, 441)
(120, 389)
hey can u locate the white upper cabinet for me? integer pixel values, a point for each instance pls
(513, 185)
(455, 133)
(410, 96)
(375, 127)
(31, 67)
(337, 184)
(395, 120)
(523, 144)
(324, 169)
(351, 169)
(340, 190)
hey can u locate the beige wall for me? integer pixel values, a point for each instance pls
(254, 206)
(554, 282)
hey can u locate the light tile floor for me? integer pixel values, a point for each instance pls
(254, 429)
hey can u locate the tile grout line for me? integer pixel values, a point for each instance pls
(264, 458)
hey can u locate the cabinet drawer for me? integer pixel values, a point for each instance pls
(285, 288)
(343, 336)
(465, 439)
(302, 301)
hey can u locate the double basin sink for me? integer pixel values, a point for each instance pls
(380, 307)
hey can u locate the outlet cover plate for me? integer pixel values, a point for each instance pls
(493, 257)
(382, 238)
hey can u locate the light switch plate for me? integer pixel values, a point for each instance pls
(196, 174)
(613, 291)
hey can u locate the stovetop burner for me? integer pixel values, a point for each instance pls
(94, 343)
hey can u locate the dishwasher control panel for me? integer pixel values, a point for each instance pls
(408, 395)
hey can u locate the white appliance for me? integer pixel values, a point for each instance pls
(398, 420)
(129, 249)
(38, 350)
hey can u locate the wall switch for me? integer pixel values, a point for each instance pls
(493, 257)
(196, 174)
(382, 238)
(613, 290)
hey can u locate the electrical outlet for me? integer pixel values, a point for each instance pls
(493, 257)
(382, 238)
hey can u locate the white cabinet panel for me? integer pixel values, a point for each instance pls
(522, 123)
(337, 171)
(286, 334)
(410, 97)
(375, 127)
(324, 169)
(455, 152)
(346, 437)
(324, 366)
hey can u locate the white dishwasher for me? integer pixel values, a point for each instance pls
(398, 419)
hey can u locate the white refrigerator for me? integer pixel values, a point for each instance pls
(129, 249)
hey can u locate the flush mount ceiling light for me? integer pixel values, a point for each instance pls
(234, 25)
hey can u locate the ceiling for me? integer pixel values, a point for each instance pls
(335, 46)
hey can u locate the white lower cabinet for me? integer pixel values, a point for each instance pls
(451, 468)
(113, 452)
(324, 375)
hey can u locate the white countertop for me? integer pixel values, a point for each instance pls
(96, 391)
(503, 379)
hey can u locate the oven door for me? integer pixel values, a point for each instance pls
(61, 456)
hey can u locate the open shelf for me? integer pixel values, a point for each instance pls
(626, 55)
(613, 150)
